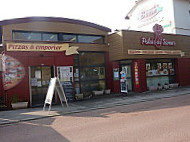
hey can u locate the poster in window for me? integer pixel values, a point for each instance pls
(65, 73)
(39, 84)
(165, 66)
(165, 72)
(34, 82)
(38, 74)
(101, 71)
(170, 66)
(147, 66)
(159, 66)
(76, 74)
(171, 71)
(154, 72)
(116, 73)
(149, 73)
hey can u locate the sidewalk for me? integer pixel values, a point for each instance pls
(14, 116)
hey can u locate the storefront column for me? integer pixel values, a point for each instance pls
(182, 69)
(116, 83)
(139, 75)
(109, 74)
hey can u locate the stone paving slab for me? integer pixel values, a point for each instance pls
(15, 116)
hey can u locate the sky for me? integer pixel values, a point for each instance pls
(108, 13)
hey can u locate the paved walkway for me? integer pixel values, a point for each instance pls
(14, 116)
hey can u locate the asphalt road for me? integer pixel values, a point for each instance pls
(165, 120)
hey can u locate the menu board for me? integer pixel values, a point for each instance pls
(65, 73)
(13, 72)
(68, 89)
(156, 69)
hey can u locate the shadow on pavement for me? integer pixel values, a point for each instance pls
(31, 131)
(166, 103)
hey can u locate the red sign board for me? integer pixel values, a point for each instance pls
(136, 69)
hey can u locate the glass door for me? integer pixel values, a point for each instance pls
(39, 80)
(126, 78)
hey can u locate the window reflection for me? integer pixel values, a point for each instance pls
(69, 38)
(90, 39)
(91, 73)
(87, 59)
(66, 37)
(92, 85)
(50, 37)
(26, 36)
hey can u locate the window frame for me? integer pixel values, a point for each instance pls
(59, 37)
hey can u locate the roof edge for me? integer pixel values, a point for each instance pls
(53, 19)
(127, 17)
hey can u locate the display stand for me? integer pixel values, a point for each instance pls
(54, 84)
(123, 84)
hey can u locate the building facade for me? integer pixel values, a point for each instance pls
(145, 60)
(35, 49)
(173, 15)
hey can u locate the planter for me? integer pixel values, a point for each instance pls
(153, 88)
(19, 105)
(3, 107)
(166, 87)
(79, 96)
(107, 91)
(98, 92)
(159, 87)
(174, 85)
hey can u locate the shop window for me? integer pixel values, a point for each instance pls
(27, 36)
(159, 69)
(160, 73)
(50, 37)
(89, 72)
(90, 39)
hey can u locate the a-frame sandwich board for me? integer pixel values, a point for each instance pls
(55, 84)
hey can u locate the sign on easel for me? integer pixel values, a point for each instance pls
(55, 84)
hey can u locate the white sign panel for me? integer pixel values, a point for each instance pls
(50, 92)
(65, 73)
(54, 84)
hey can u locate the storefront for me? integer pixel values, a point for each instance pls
(149, 60)
(56, 47)
(89, 59)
